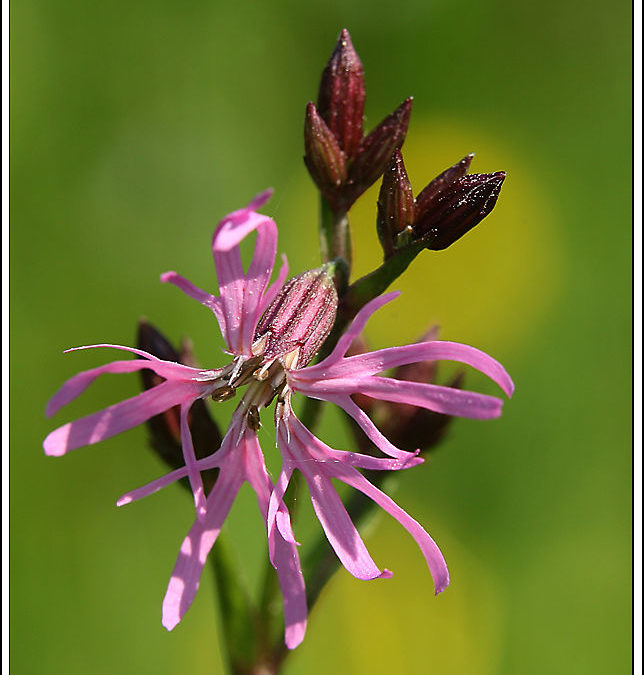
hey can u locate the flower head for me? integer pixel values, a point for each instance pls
(273, 331)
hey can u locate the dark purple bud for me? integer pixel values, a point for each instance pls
(441, 184)
(341, 95)
(300, 318)
(323, 157)
(395, 205)
(467, 201)
(164, 429)
(376, 150)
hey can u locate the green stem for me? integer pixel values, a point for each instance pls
(239, 619)
(335, 234)
(375, 283)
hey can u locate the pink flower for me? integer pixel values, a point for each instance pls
(273, 331)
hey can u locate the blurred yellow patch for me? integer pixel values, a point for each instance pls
(398, 625)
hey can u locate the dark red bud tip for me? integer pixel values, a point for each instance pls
(469, 199)
(342, 93)
(323, 157)
(377, 148)
(301, 316)
(441, 184)
(395, 204)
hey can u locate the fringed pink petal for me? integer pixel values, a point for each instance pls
(211, 301)
(284, 553)
(364, 421)
(323, 454)
(186, 575)
(77, 384)
(354, 330)
(309, 453)
(192, 291)
(427, 545)
(371, 363)
(194, 475)
(152, 487)
(278, 515)
(119, 417)
(434, 397)
(212, 461)
(336, 523)
(241, 293)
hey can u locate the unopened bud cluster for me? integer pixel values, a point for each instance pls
(342, 161)
(451, 205)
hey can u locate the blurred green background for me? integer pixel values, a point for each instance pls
(136, 126)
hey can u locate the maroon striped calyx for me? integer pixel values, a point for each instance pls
(300, 318)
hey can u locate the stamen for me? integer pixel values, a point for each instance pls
(252, 418)
(262, 373)
(289, 360)
(257, 348)
(237, 366)
(223, 393)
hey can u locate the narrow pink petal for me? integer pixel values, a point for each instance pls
(364, 421)
(77, 384)
(212, 302)
(192, 291)
(241, 293)
(172, 370)
(186, 575)
(284, 553)
(291, 580)
(152, 487)
(323, 454)
(194, 475)
(278, 515)
(337, 525)
(260, 200)
(445, 400)
(356, 327)
(119, 417)
(215, 460)
(430, 550)
(232, 229)
(384, 359)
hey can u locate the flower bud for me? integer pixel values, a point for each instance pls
(323, 156)
(441, 184)
(342, 93)
(300, 318)
(376, 150)
(341, 161)
(164, 429)
(395, 205)
(461, 206)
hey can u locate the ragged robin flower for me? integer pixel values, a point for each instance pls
(272, 332)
